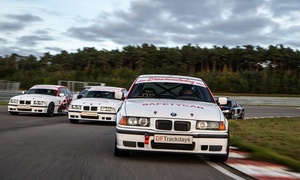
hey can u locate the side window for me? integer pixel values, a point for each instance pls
(62, 90)
(68, 92)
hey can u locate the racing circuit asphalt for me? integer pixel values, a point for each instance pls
(37, 147)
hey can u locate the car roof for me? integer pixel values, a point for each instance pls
(46, 86)
(106, 88)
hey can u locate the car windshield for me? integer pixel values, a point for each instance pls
(51, 92)
(167, 90)
(100, 94)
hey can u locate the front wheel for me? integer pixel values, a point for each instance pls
(50, 110)
(74, 121)
(242, 115)
(218, 158)
(231, 115)
(120, 153)
(13, 113)
(221, 158)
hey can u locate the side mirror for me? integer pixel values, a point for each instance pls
(79, 96)
(119, 95)
(222, 100)
(61, 94)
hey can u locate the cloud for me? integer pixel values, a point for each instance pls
(57, 25)
(32, 40)
(23, 18)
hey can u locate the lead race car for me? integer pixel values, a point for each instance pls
(46, 99)
(170, 113)
(100, 103)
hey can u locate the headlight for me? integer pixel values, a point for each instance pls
(39, 102)
(135, 121)
(132, 121)
(210, 125)
(225, 111)
(75, 106)
(109, 109)
(14, 100)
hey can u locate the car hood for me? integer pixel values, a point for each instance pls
(165, 108)
(37, 97)
(97, 102)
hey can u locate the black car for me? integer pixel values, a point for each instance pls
(230, 108)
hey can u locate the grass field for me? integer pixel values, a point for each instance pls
(272, 139)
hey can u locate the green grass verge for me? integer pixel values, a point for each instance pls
(275, 140)
(3, 103)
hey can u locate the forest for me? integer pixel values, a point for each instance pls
(241, 69)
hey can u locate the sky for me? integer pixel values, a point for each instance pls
(35, 27)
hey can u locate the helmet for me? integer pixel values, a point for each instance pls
(187, 90)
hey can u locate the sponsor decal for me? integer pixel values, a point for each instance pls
(169, 79)
(44, 87)
(173, 139)
(104, 89)
(84, 113)
(173, 104)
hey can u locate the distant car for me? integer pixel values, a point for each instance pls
(230, 108)
(46, 99)
(171, 113)
(100, 103)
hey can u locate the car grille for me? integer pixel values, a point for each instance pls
(25, 102)
(177, 126)
(172, 146)
(90, 108)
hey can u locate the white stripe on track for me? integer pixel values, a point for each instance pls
(224, 171)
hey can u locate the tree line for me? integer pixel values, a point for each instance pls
(242, 69)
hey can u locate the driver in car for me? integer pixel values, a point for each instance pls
(187, 90)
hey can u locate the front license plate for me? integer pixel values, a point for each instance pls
(162, 138)
(23, 107)
(88, 114)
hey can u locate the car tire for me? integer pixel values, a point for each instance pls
(231, 116)
(50, 110)
(74, 121)
(14, 113)
(221, 158)
(242, 116)
(120, 153)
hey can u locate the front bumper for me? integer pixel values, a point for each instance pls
(27, 109)
(144, 141)
(92, 116)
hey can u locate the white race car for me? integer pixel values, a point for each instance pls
(170, 113)
(100, 103)
(47, 99)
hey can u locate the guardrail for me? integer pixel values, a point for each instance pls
(6, 95)
(244, 100)
(279, 101)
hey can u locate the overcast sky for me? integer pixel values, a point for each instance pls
(39, 26)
